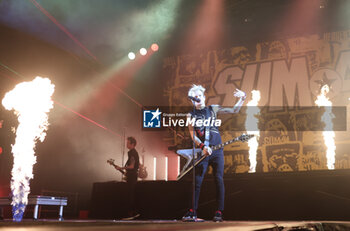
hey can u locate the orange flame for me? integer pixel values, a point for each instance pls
(328, 134)
(251, 125)
(31, 102)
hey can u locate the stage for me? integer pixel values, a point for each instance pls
(92, 90)
(293, 196)
(171, 225)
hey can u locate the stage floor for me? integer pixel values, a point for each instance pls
(162, 225)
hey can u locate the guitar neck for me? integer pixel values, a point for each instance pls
(216, 147)
(122, 171)
(115, 166)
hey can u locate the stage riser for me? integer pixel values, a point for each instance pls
(291, 196)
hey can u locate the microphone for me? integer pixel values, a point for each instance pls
(194, 99)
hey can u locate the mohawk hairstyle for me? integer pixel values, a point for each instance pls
(196, 88)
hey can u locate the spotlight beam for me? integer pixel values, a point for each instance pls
(35, 3)
(78, 43)
(123, 92)
(86, 118)
(60, 104)
(82, 116)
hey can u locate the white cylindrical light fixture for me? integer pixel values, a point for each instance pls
(154, 168)
(166, 169)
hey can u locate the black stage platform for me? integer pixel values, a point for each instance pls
(293, 196)
(162, 225)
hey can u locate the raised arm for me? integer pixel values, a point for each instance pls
(235, 109)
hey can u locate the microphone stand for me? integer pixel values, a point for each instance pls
(123, 150)
(193, 162)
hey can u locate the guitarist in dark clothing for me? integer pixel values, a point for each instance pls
(131, 167)
(204, 138)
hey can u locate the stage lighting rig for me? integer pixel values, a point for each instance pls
(131, 55)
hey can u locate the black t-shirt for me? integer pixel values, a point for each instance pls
(205, 113)
(133, 153)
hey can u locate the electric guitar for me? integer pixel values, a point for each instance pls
(111, 162)
(142, 169)
(141, 174)
(188, 153)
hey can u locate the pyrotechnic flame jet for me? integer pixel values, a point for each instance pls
(31, 102)
(328, 134)
(251, 125)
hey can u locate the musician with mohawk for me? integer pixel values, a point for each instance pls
(204, 138)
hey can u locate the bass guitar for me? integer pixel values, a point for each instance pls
(142, 173)
(111, 162)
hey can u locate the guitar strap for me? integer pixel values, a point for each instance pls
(207, 133)
(208, 114)
(207, 128)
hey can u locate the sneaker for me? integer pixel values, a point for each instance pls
(191, 215)
(218, 216)
(131, 217)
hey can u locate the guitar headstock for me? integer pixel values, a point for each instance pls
(110, 161)
(245, 137)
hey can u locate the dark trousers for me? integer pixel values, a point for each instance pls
(131, 182)
(216, 160)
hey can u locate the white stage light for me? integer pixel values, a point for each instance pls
(143, 51)
(131, 55)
